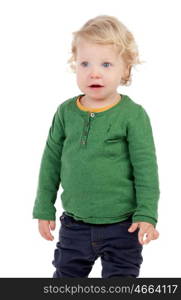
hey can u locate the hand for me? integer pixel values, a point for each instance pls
(44, 229)
(145, 228)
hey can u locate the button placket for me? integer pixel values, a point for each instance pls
(86, 128)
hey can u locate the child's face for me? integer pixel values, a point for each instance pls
(98, 64)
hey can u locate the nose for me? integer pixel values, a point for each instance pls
(95, 73)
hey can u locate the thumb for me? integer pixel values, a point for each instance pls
(52, 225)
(156, 235)
(133, 227)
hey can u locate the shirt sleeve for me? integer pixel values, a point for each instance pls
(49, 173)
(145, 169)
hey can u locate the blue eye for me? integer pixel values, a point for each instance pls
(84, 63)
(106, 63)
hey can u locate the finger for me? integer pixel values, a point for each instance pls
(44, 234)
(48, 233)
(52, 225)
(45, 231)
(140, 236)
(48, 236)
(155, 235)
(149, 237)
(133, 227)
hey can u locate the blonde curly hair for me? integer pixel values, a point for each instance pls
(108, 30)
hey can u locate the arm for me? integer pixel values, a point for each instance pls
(49, 173)
(145, 169)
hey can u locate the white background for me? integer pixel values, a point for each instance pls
(35, 39)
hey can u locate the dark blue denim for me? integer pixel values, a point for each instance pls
(80, 244)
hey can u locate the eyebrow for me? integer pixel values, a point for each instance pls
(102, 59)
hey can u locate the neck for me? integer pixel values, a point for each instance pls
(99, 102)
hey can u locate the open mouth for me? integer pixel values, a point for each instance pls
(95, 86)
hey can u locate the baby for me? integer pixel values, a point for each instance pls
(100, 148)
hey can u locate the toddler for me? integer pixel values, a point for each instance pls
(100, 147)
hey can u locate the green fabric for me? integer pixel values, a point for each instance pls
(106, 164)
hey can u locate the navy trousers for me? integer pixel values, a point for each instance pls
(80, 244)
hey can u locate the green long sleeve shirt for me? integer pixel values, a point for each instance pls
(105, 162)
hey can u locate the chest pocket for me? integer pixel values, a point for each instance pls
(115, 144)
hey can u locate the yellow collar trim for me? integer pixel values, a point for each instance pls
(94, 109)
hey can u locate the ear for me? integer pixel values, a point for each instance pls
(128, 71)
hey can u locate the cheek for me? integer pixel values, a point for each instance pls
(80, 75)
(80, 79)
(117, 78)
(113, 79)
